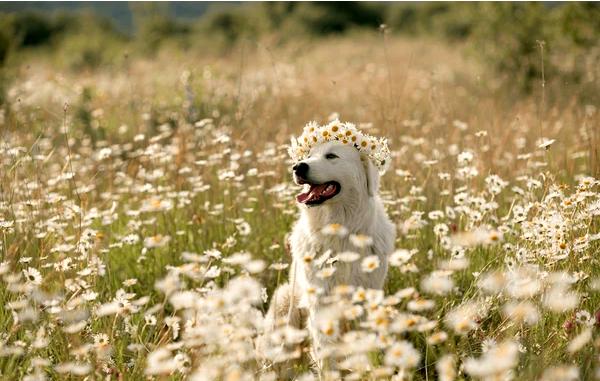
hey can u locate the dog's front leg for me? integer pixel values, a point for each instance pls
(285, 317)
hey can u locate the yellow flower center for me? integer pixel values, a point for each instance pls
(328, 330)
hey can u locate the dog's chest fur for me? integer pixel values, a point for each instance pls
(314, 251)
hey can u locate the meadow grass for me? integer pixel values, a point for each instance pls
(125, 187)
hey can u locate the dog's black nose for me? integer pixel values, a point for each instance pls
(300, 169)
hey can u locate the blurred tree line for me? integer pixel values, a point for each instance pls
(506, 35)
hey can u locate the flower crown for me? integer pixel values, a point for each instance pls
(346, 133)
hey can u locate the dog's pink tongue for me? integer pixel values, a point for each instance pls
(312, 193)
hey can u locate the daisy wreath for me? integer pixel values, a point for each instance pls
(346, 133)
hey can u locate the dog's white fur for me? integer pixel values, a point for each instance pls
(359, 209)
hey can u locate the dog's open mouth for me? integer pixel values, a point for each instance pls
(318, 193)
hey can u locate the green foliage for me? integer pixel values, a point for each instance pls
(232, 23)
(81, 40)
(80, 51)
(452, 21)
(509, 36)
(323, 18)
(154, 26)
(4, 48)
(579, 22)
(3, 85)
(30, 29)
(289, 20)
(4, 45)
(506, 36)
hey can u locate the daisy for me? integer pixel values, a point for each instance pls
(401, 256)
(361, 241)
(446, 368)
(335, 229)
(402, 355)
(546, 143)
(559, 299)
(437, 338)
(437, 284)
(580, 341)
(32, 276)
(370, 263)
(561, 373)
(348, 256)
(156, 241)
(521, 312)
(419, 305)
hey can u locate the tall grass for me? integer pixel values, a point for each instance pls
(120, 213)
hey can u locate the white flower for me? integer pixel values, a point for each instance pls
(523, 283)
(498, 359)
(545, 143)
(440, 230)
(183, 299)
(77, 369)
(463, 318)
(150, 320)
(348, 256)
(32, 276)
(346, 133)
(130, 239)
(279, 266)
(327, 322)
(559, 299)
(402, 355)
(438, 284)
(212, 272)
(492, 282)
(244, 289)
(561, 373)
(446, 368)
(521, 312)
(360, 240)
(244, 228)
(160, 361)
(400, 257)
(580, 341)
(437, 338)
(325, 273)
(479, 236)
(420, 305)
(335, 229)
(156, 205)
(156, 241)
(255, 266)
(465, 158)
(585, 318)
(370, 263)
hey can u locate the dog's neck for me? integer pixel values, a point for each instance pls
(356, 216)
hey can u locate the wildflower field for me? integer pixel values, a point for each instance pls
(144, 208)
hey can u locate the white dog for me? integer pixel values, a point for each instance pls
(341, 187)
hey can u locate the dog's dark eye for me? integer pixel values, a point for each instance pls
(331, 156)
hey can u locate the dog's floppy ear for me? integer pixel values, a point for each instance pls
(372, 176)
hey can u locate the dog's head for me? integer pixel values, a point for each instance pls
(333, 172)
